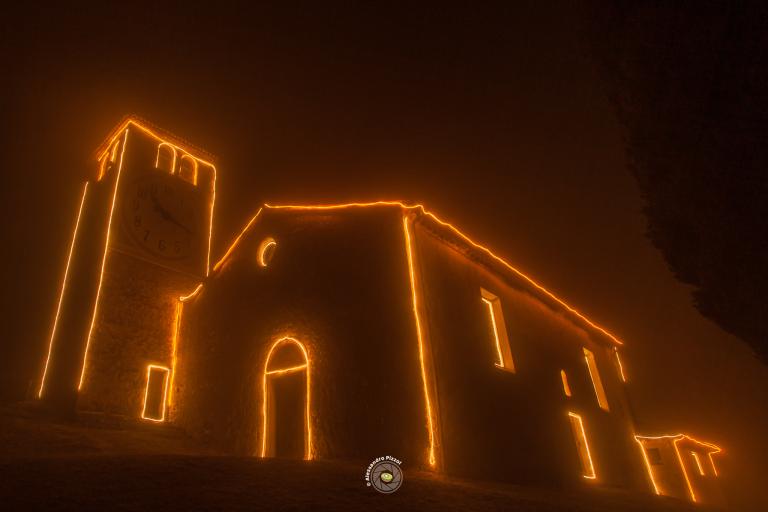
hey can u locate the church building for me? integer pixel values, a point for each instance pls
(347, 331)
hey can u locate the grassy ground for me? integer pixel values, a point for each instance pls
(104, 464)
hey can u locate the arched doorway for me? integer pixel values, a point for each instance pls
(285, 423)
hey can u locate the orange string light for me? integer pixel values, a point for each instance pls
(711, 449)
(63, 288)
(174, 347)
(420, 208)
(124, 128)
(165, 393)
(308, 454)
(590, 467)
(133, 122)
(103, 262)
(231, 248)
(432, 458)
(621, 367)
(500, 358)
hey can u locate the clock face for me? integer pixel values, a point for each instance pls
(160, 216)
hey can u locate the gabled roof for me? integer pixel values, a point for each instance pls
(706, 447)
(159, 134)
(453, 235)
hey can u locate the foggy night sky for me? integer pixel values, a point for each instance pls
(495, 120)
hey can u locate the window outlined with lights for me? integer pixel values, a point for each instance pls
(155, 393)
(582, 446)
(597, 383)
(498, 329)
(654, 456)
(188, 169)
(566, 386)
(165, 160)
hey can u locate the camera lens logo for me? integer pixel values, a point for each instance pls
(384, 474)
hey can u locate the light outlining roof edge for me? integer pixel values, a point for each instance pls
(713, 448)
(63, 288)
(165, 136)
(236, 241)
(422, 210)
(431, 422)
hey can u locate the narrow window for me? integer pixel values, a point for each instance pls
(698, 463)
(166, 158)
(596, 382)
(582, 446)
(155, 393)
(499, 328)
(188, 169)
(566, 387)
(654, 456)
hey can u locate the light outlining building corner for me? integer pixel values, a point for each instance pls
(174, 347)
(179, 311)
(63, 288)
(431, 422)
(103, 262)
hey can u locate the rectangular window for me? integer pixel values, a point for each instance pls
(596, 382)
(155, 393)
(566, 387)
(582, 446)
(654, 456)
(499, 330)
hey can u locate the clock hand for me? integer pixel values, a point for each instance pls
(166, 215)
(182, 226)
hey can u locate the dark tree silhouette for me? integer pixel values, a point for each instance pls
(689, 81)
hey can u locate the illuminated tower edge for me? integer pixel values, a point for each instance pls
(140, 239)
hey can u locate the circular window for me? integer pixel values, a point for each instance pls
(266, 251)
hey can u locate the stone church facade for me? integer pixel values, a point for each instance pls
(330, 332)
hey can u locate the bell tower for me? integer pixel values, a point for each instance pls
(141, 238)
